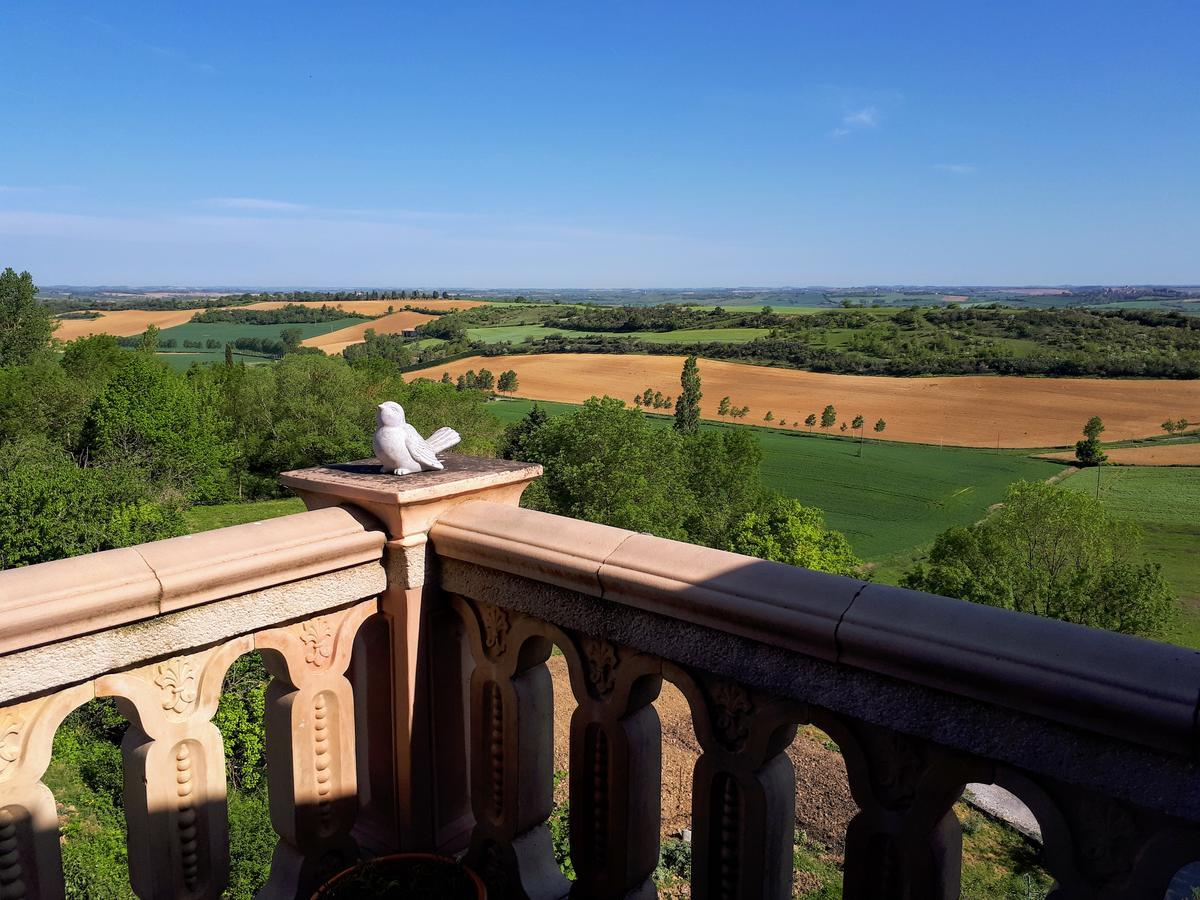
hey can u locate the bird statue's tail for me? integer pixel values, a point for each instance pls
(443, 439)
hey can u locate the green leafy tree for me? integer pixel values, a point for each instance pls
(769, 417)
(785, 530)
(1051, 552)
(828, 416)
(485, 380)
(446, 379)
(687, 405)
(508, 382)
(26, 327)
(228, 355)
(148, 342)
(152, 417)
(51, 508)
(1087, 451)
(810, 420)
(880, 425)
(607, 463)
(723, 407)
(857, 423)
(291, 338)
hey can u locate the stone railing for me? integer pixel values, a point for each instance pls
(436, 732)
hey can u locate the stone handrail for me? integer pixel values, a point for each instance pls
(1096, 732)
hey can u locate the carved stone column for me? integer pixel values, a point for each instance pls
(30, 861)
(175, 804)
(311, 764)
(743, 792)
(616, 770)
(512, 755)
(418, 798)
(905, 842)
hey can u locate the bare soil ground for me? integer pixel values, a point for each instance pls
(823, 803)
(1166, 455)
(122, 323)
(969, 411)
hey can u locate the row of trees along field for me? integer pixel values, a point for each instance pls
(915, 341)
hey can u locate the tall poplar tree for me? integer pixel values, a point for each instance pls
(687, 407)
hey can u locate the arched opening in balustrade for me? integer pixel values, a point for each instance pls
(86, 777)
(680, 751)
(564, 708)
(239, 717)
(824, 809)
(1002, 851)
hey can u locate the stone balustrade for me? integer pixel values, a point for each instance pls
(407, 622)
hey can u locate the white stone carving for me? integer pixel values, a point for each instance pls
(400, 447)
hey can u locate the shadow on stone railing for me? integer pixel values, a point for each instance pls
(454, 605)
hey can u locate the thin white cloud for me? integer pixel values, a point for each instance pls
(856, 120)
(955, 168)
(867, 117)
(255, 203)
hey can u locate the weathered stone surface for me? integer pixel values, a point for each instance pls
(410, 504)
(77, 659)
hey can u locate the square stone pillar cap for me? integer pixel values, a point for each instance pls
(408, 505)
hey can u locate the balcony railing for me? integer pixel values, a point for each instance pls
(407, 622)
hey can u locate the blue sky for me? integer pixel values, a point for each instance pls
(601, 144)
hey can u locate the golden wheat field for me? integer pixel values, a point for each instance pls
(969, 411)
(122, 323)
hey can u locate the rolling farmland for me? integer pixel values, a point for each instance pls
(969, 411)
(888, 502)
(122, 323)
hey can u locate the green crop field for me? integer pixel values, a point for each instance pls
(180, 357)
(1165, 502)
(515, 334)
(891, 501)
(700, 335)
(222, 515)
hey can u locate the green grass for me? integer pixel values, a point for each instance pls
(1165, 502)
(183, 361)
(516, 334)
(700, 335)
(890, 502)
(230, 331)
(222, 515)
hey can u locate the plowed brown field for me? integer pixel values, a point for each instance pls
(335, 342)
(122, 323)
(969, 411)
(1166, 455)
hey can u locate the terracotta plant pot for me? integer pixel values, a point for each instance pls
(404, 876)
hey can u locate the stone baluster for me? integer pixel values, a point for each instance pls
(311, 766)
(743, 791)
(175, 804)
(30, 860)
(512, 754)
(414, 754)
(905, 842)
(616, 770)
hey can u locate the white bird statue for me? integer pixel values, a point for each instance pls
(401, 449)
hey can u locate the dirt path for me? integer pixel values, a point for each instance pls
(970, 411)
